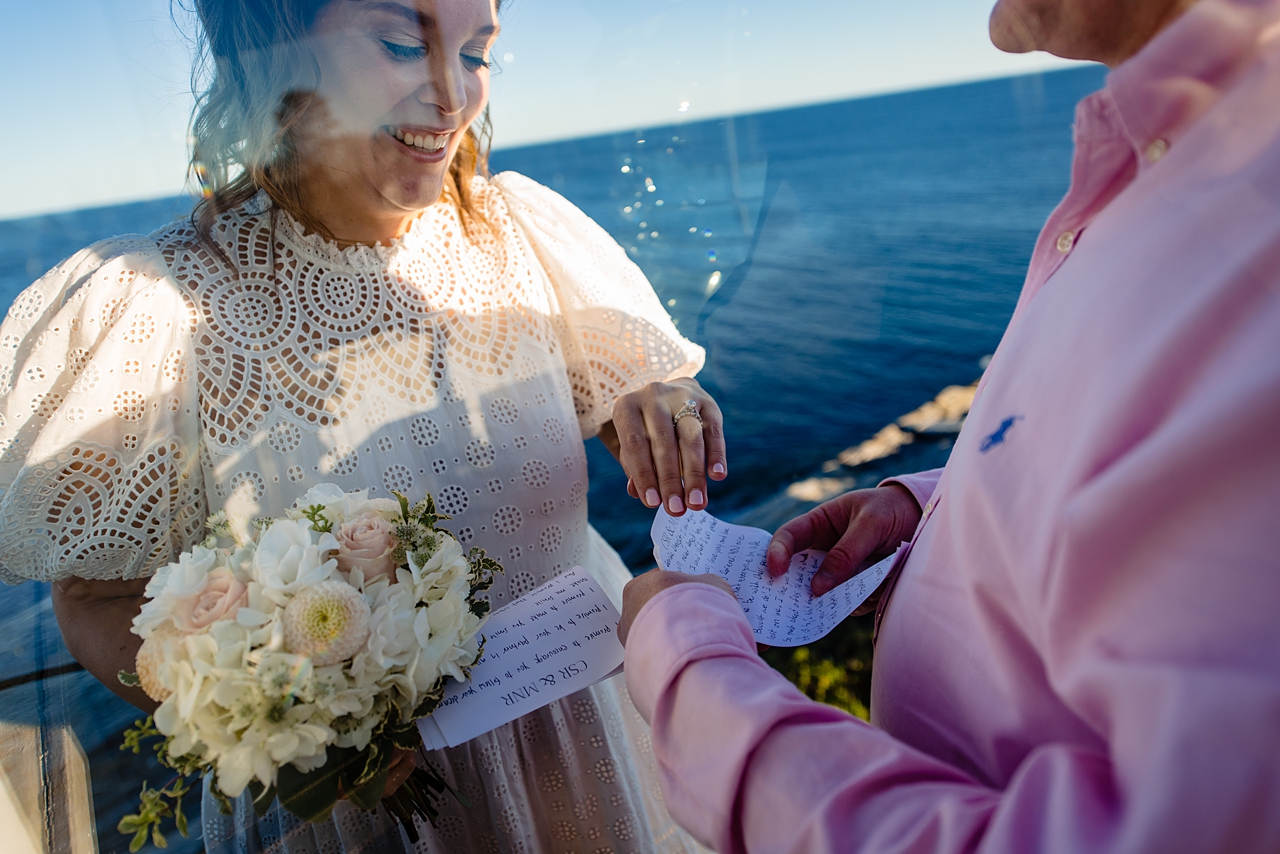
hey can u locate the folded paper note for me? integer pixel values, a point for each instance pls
(549, 643)
(782, 611)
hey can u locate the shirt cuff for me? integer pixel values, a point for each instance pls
(679, 624)
(921, 485)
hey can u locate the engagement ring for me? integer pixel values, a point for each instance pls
(690, 408)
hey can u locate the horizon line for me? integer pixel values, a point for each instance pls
(534, 141)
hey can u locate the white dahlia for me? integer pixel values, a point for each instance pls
(328, 622)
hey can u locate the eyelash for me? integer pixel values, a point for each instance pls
(404, 52)
(413, 53)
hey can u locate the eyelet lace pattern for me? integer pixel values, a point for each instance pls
(147, 382)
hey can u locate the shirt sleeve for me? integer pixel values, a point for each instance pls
(99, 420)
(748, 763)
(921, 485)
(615, 334)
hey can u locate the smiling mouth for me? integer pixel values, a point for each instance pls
(422, 141)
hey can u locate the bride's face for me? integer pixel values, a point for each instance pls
(400, 81)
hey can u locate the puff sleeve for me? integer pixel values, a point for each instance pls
(616, 336)
(100, 472)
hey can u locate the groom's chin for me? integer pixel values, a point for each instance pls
(1007, 30)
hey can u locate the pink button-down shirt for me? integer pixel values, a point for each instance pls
(1082, 652)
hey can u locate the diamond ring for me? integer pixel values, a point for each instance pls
(690, 408)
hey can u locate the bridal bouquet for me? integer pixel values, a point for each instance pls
(293, 661)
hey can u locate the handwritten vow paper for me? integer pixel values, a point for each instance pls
(782, 611)
(546, 645)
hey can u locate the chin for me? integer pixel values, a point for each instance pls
(1007, 30)
(414, 197)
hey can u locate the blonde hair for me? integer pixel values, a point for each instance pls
(261, 79)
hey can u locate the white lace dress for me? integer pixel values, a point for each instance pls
(147, 382)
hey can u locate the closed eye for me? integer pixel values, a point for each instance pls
(404, 52)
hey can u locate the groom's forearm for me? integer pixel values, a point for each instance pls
(748, 763)
(95, 617)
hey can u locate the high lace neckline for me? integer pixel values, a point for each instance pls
(356, 256)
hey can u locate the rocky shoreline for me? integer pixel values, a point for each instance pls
(917, 441)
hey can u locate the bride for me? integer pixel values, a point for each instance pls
(355, 301)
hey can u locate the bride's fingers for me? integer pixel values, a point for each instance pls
(693, 462)
(717, 466)
(666, 456)
(636, 455)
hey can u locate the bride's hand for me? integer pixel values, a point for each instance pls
(668, 463)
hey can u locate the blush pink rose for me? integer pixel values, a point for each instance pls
(365, 542)
(220, 597)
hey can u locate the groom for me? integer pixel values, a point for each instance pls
(1081, 650)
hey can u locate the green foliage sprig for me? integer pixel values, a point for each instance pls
(155, 805)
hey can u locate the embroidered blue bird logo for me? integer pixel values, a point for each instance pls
(997, 438)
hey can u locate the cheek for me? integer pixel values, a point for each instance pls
(477, 96)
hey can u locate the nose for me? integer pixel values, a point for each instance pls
(444, 86)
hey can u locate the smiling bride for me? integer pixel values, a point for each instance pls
(355, 301)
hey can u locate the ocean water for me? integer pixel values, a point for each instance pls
(870, 253)
(841, 263)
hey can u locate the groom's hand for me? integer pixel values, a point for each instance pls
(856, 530)
(642, 588)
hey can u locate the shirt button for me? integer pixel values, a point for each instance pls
(1157, 149)
(928, 508)
(1065, 241)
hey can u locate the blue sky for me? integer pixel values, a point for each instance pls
(96, 97)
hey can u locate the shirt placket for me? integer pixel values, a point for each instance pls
(900, 558)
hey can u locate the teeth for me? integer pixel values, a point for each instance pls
(427, 142)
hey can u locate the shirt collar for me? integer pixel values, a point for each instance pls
(1182, 72)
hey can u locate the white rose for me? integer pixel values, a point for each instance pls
(172, 583)
(291, 556)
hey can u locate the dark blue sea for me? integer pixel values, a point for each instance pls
(868, 252)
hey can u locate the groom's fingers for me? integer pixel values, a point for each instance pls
(845, 558)
(814, 529)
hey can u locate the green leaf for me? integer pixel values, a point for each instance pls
(157, 838)
(139, 840)
(406, 738)
(262, 797)
(180, 819)
(366, 795)
(311, 796)
(131, 823)
(128, 679)
(404, 504)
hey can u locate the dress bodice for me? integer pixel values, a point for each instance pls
(465, 361)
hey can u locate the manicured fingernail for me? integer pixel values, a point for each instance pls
(717, 468)
(675, 505)
(695, 497)
(652, 499)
